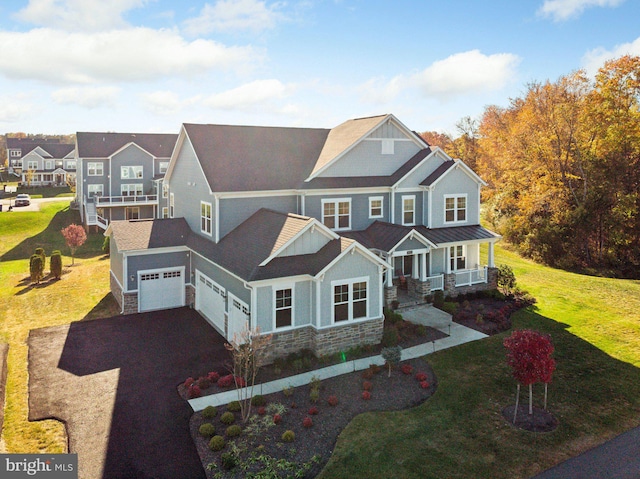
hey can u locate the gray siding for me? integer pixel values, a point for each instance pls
(131, 156)
(264, 303)
(438, 261)
(409, 245)
(224, 279)
(419, 174)
(366, 159)
(359, 208)
(94, 180)
(310, 242)
(116, 261)
(455, 182)
(118, 213)
(137, 263)
(303, 291)
(419, 203)
(234, 211)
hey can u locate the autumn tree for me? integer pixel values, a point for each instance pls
(74, 236)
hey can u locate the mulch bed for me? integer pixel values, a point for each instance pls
(539, 421)
(399, 391)
(488, 315)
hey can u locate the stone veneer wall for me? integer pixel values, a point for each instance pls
(418, 289)
(451, 290)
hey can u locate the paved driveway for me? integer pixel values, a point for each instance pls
(113, 382)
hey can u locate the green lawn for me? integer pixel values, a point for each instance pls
(460, 432)
(82, 293)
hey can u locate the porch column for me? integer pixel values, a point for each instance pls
(447, 260)
(423, 267)
(389, 281)
(416, 266)
(490, 256)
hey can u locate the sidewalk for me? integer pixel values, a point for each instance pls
(458, 334)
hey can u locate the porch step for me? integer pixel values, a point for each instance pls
(410, 305)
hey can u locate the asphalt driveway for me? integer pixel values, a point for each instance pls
(113, 383)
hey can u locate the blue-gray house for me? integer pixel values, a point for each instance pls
(304, 233)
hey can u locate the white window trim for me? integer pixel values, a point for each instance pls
(160, 166)
(97, 167)
(31, 163)
(15, 153)
(89, 188)
(204, 218)
(165, 212)
(131, 208)
(172, 204)
(125, 176)
(336, 202)
(455, 258)
(409, 197)
(280, 287)
(129, 186)
(376, 198)
(165, 190)
(350, 282)
(455, 209)
(48, 165)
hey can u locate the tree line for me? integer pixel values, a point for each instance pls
(562, 164)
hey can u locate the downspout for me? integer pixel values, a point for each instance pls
(392, 206)
(254, 306)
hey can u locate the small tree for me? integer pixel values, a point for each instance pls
(74, 236)
(506, 279)
(392, 356)
(40, 252)
(55, 263)
(36, 268)
(106, 245)
(248, 350)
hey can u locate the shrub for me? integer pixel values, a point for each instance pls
(391, 317)
(506, 279)
(367, 374)
(307, 422)
(213, 376)
(207, 429)
(188, 382)
(421, 377)
(209, 412)
(438, 299)
(375, 368)
(407, 369)
(313, 411)
(233, 406)
(40, 252)
(449, 307)
(203, 382)
(225, 381)
(332, 400)
(366, 395)
(314, 395)
(262, 411)
(277, 418)
(258, 400)
(106, 245)
(229, 460)
(217, 443)
(233, 431)
(367, 385)
(194, 391)
(288, 391)
(228, 418)
(288, 436)
(240, 382)
(424, 384)
(390, 337)
(36, 268)
(55, 263)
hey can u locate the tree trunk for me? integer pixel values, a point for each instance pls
(530, 399)
(545, 396)
(515, 411)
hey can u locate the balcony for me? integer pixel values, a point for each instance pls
(109, 201)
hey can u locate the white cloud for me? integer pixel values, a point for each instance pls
(234, 15)
(164, 102)
(564, 9)
(73, 15)
(132, 54)
(248, 95)
(87, 97)
(15, 108)
(467, 72)
(379, 90)
(593, 60)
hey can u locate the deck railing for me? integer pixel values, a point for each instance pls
(436, 282)
(102, 201)
(471, 276)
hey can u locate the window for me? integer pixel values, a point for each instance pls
(403, 265)
(48, 165)
(133, 189)
(387, 147)
(375, 206)
(205, 217)
(95, 169)
(163, 166)
(284, 307)
(409, 210)
(171, 205)
(350, 300)
(71, 165)
(457, 258)
(336, 214)
(32, 165)
(165, 190)
(455, 209)
(165, 212)
(130, 172)
(132, 213)
(94, 190)
(16, 153)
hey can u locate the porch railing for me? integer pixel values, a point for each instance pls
(102, 201)
(471, 276)
(436, 282)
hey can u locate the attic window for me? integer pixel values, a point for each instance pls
(388, 147)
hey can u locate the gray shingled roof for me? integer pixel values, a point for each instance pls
(51, 146)
(103, 145)
(147, 234)
(438, 172)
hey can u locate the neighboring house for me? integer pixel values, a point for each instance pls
(120, 176)
(41, 162)
(304, 233)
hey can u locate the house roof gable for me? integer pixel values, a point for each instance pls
(138, 235)
(104, 145)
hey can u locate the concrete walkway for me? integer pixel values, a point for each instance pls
(425, 314)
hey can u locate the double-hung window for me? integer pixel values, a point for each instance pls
(15, 153)
(163, 166)
(94, 190)
(458, 258)
(205, 217)
(130, 172)
(32, 165)
(131, 189)
(336, 214)
(455, 209)
(171, 205)
(284, 307)
(350, 299)
(48, 165)
(409, 210)
(165, 190)
(375, 206)
(95, 169)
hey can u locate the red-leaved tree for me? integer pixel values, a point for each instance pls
(529, 355)
(74, 236)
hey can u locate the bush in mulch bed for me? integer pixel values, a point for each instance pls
(305, 435)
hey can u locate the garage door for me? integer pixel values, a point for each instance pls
(238, 318)
(210, 300)
(160, 289)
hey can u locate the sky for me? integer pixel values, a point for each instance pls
(151, 65)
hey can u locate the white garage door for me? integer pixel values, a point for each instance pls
(210, 300)
(160, 289)
(238, 318)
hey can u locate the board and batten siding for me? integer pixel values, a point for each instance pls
(235, 211)
(351, 266)
(310, 242)
(145, 262)
(131, 156)
(410, 245)
(455, 182)
(189, 188)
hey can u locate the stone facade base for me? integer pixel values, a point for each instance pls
(418, 289)
(325, 341)
(390, 294)
(451, 290)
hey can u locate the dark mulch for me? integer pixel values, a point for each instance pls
(400, 391)
(488, 315)
(539, 421)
